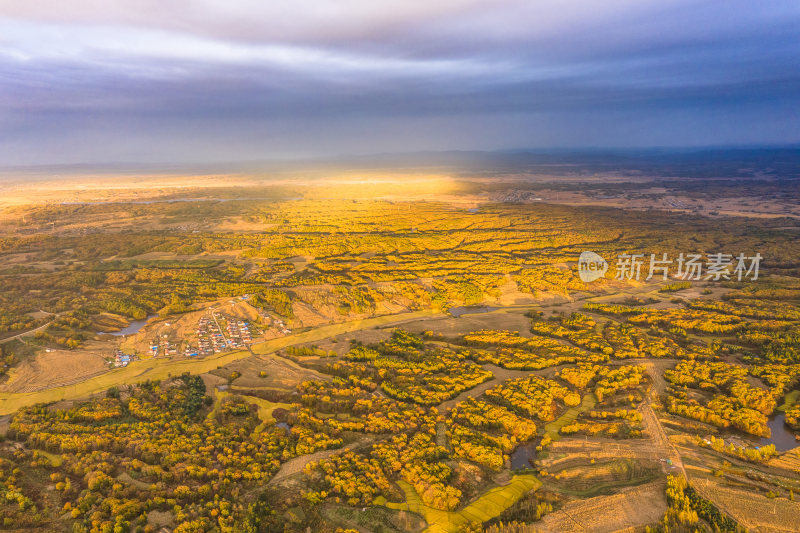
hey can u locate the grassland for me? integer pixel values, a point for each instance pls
(570, 415)
(265, 408)
(488, 505)
(54, 459)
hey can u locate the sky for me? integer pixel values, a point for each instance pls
(98, 81)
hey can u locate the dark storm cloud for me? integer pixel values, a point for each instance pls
(195, 81)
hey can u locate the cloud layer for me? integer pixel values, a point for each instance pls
(93, 81)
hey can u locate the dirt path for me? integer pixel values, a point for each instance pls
(652, 425)
(501, 375)
(26, 333)
(655, 368)
(297, 464)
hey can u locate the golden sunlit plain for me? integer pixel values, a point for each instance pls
(417, 350)
(462, 266)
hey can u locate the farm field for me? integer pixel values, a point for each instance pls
(633, 507)
(756, 512)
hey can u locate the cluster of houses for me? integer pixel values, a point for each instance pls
(213, 338)
(122, 359)
(216, 332)
(239, 333)
(209, 336)
(163, 346)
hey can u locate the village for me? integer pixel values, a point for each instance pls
(214, 332)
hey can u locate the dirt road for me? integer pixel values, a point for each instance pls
(297, 464)
(26, 333)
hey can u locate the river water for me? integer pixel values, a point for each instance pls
(131, 328)
(782, 437)
(470, 309)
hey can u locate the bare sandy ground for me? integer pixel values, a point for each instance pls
(641, 197)
(462, 191)
(511, 295)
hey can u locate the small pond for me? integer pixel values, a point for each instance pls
(525, 453)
